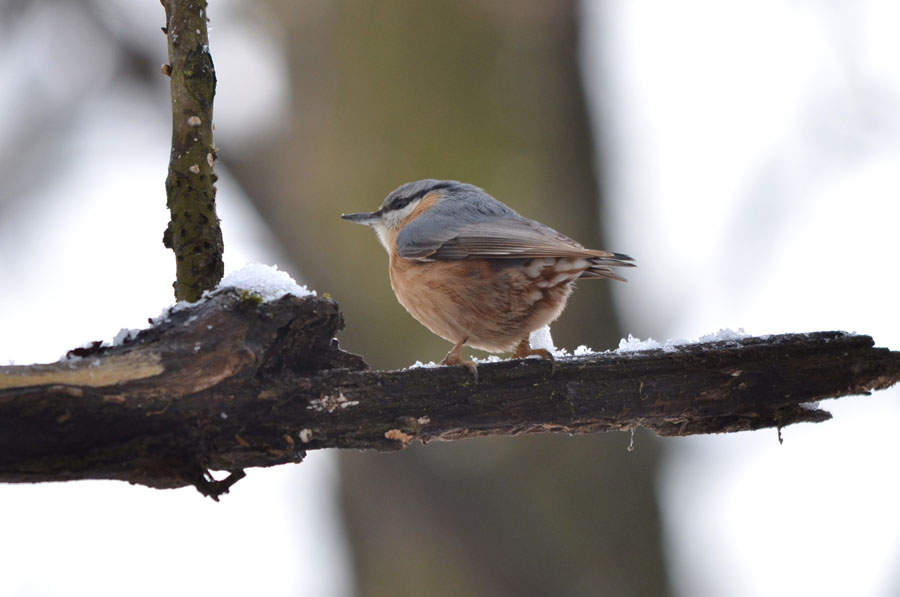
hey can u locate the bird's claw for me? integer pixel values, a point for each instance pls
(454, 359)
(524, 350)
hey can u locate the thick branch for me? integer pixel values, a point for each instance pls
(193, 232)
(230, 383)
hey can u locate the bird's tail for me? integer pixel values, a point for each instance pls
(601, 266)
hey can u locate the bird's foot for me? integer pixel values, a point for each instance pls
(455, 358)
(524, 349)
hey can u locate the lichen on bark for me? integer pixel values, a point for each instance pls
(193, 232)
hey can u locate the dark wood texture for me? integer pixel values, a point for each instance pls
(232, 383)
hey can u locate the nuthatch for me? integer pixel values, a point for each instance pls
(473, 271)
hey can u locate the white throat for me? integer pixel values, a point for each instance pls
(392, 221)
(382, 232)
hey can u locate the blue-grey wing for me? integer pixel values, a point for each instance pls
(479, 226)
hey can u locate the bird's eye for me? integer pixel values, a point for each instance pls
(400, 203)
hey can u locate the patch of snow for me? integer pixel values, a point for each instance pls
(124, 336)
(541, 338)
(421, 365)
(491, 358)
(267, 281)
(632, 344)
(723, 335)
(583, 351)
(70, 356)
(432, 365)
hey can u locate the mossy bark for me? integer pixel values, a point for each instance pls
(193, 232)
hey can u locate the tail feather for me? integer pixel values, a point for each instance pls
(601, 267)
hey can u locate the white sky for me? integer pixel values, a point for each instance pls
(753, 173)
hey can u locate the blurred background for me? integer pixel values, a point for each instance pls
(747, 154)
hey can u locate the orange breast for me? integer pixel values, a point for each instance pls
(494, 303)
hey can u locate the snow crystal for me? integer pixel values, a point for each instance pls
(491, 358)
(541, 338)
(124, 336)
(584, 351)
(632, 344)
(723, 336)
(421, 365)
(265, 280)
(71, 356)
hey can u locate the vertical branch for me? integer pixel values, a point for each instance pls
(193, 232)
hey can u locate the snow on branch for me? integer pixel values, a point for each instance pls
(237, 381)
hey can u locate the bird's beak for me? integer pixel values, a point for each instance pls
(368, 218)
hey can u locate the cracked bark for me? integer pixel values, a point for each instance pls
(229, 383)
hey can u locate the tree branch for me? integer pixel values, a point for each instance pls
(193, 232)
(230, 383)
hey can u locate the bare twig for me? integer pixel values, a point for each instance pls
(193, 232)
(230, 383)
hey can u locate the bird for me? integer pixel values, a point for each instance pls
(475, 272)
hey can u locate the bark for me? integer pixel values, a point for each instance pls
(233, 382)
(193, 232)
